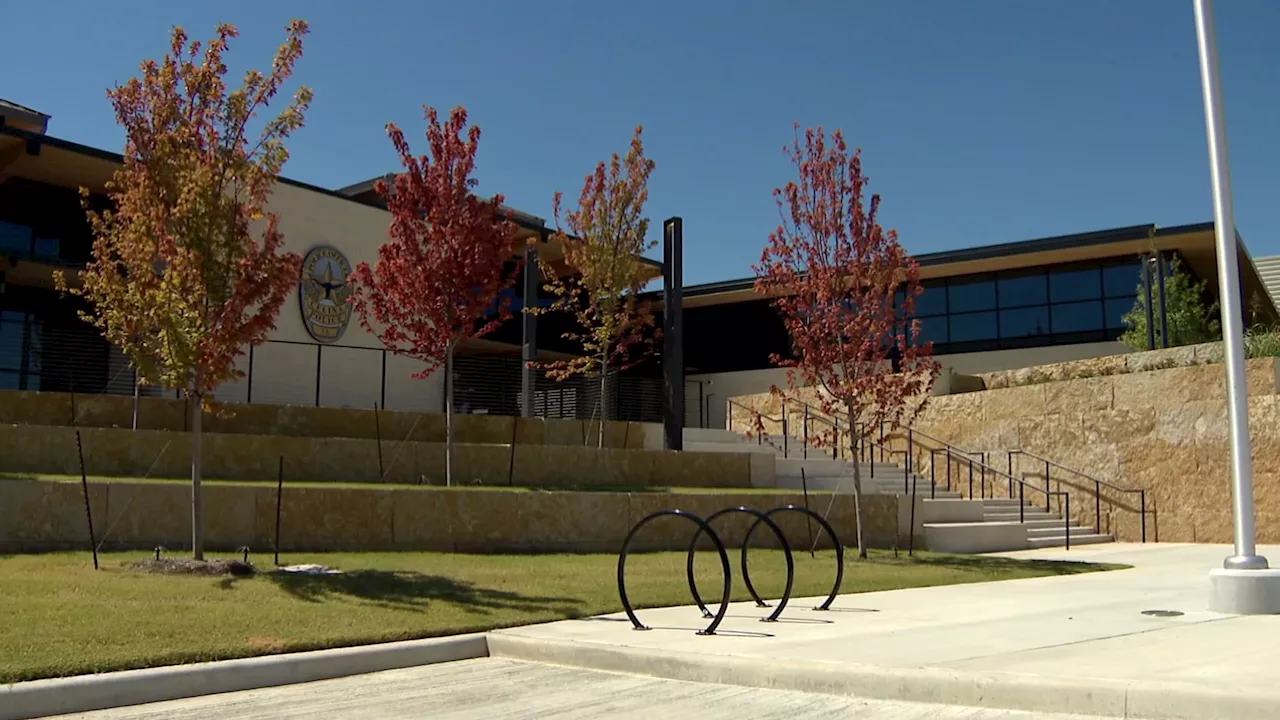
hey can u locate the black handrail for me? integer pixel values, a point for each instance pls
(746, 572)
(759, 429)
(1098, 484)
(702, 527)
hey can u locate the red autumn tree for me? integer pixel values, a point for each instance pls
(187, 268)
(439, 277)
(603, 240)
(833, 273)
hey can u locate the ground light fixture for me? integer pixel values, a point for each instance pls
(1245, 584)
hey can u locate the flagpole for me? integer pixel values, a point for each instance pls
(1245, 584)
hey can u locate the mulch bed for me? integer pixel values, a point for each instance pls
(187, 566)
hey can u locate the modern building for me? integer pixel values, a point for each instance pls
(986, 308)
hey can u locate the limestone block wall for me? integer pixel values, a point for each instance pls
(1155, 421)
(105, 411)
(42, 515)
(1160, 430)
(36, 449)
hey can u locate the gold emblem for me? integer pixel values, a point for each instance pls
(323, 293)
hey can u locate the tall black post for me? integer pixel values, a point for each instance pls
(1146, 290)
(529, 328)
(673, 334)
(1164, 309)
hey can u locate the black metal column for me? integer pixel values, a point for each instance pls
(529, 328)
(673, 334)
(1164, 309)
(1146, 290)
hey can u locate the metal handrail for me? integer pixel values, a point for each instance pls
(1098, 484)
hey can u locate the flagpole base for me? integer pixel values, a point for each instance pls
(1244, 592)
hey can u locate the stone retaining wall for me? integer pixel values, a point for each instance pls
(36, 449)
(44, 515)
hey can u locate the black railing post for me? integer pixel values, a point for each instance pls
(1022, 505)
(933, 475)
(1097, 506)
(1047, 496)
(970, 460)
(806, 432)
(248, 391)
(948, 467)
(1066, 517)
(1142, 499)
(785, 431)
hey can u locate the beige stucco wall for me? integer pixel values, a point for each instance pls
(349, 377)
(38, 515)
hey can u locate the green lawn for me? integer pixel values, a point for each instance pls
(60, 617)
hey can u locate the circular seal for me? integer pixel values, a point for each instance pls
(323, 293)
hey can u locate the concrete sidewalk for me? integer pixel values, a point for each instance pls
(1077, 644)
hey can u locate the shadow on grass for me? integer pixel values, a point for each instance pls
(408, 590)
(976, 563)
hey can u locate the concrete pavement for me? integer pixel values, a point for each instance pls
(1078, 643)
(494, 689)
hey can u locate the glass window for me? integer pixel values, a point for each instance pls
(1116, 309)
(9, 380)
(1077, 317)
(1122, 280)
(1078, 284)
(1023, 289)
(1024, 322)
(47, 247)
(15, 237)
(932, 329)
(968, 327)
(979, 294)
(933, 301)
(11, 340)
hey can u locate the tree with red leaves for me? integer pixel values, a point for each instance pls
(604, 239)
(833, 273)
(439, 277)
(180, 278)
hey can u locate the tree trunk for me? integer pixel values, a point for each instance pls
(136, 393)
(448, 416)
(604, 396)
(197, 491)
(857, 487)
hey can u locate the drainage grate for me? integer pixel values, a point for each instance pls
(1162, 613)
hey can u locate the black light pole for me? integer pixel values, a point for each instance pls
(673, 334)
(529, 328)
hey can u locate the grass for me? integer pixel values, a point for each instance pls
(60, 617)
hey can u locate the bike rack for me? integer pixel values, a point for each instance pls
(703, 527)
(835, 539)
(746, 573)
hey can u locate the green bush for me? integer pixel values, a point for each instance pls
(1190, 321)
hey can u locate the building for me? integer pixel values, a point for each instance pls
(987, 308)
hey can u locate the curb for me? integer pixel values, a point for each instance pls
(85, 693)
(1082, 696)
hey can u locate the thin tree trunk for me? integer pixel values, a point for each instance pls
(604, 392)
(136, 393)
(197, 491)
(857, 487)
(448, 416)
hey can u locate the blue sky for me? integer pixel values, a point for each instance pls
(981, 121)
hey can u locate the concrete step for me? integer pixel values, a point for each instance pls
(712, 435)
(725, 447)
(1059, 540)
(1015, 516)
(813, 468)
(1057, 531)
(975, 537)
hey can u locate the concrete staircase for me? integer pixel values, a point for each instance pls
(950, 522)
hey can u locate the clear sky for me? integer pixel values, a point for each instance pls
(981, 121)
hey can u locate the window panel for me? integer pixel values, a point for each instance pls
(932, 329)
(972, 295)
(1122, 280)
(9, 380)
(47, 247)
(1023, 289)
(11, 327)
(1024, 322)
(1079, 284)
(15, 237)
(1076, 317)
(1116, 309)
(968, 327)
(933, 301)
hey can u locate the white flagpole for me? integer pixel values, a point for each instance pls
(1246, 557)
